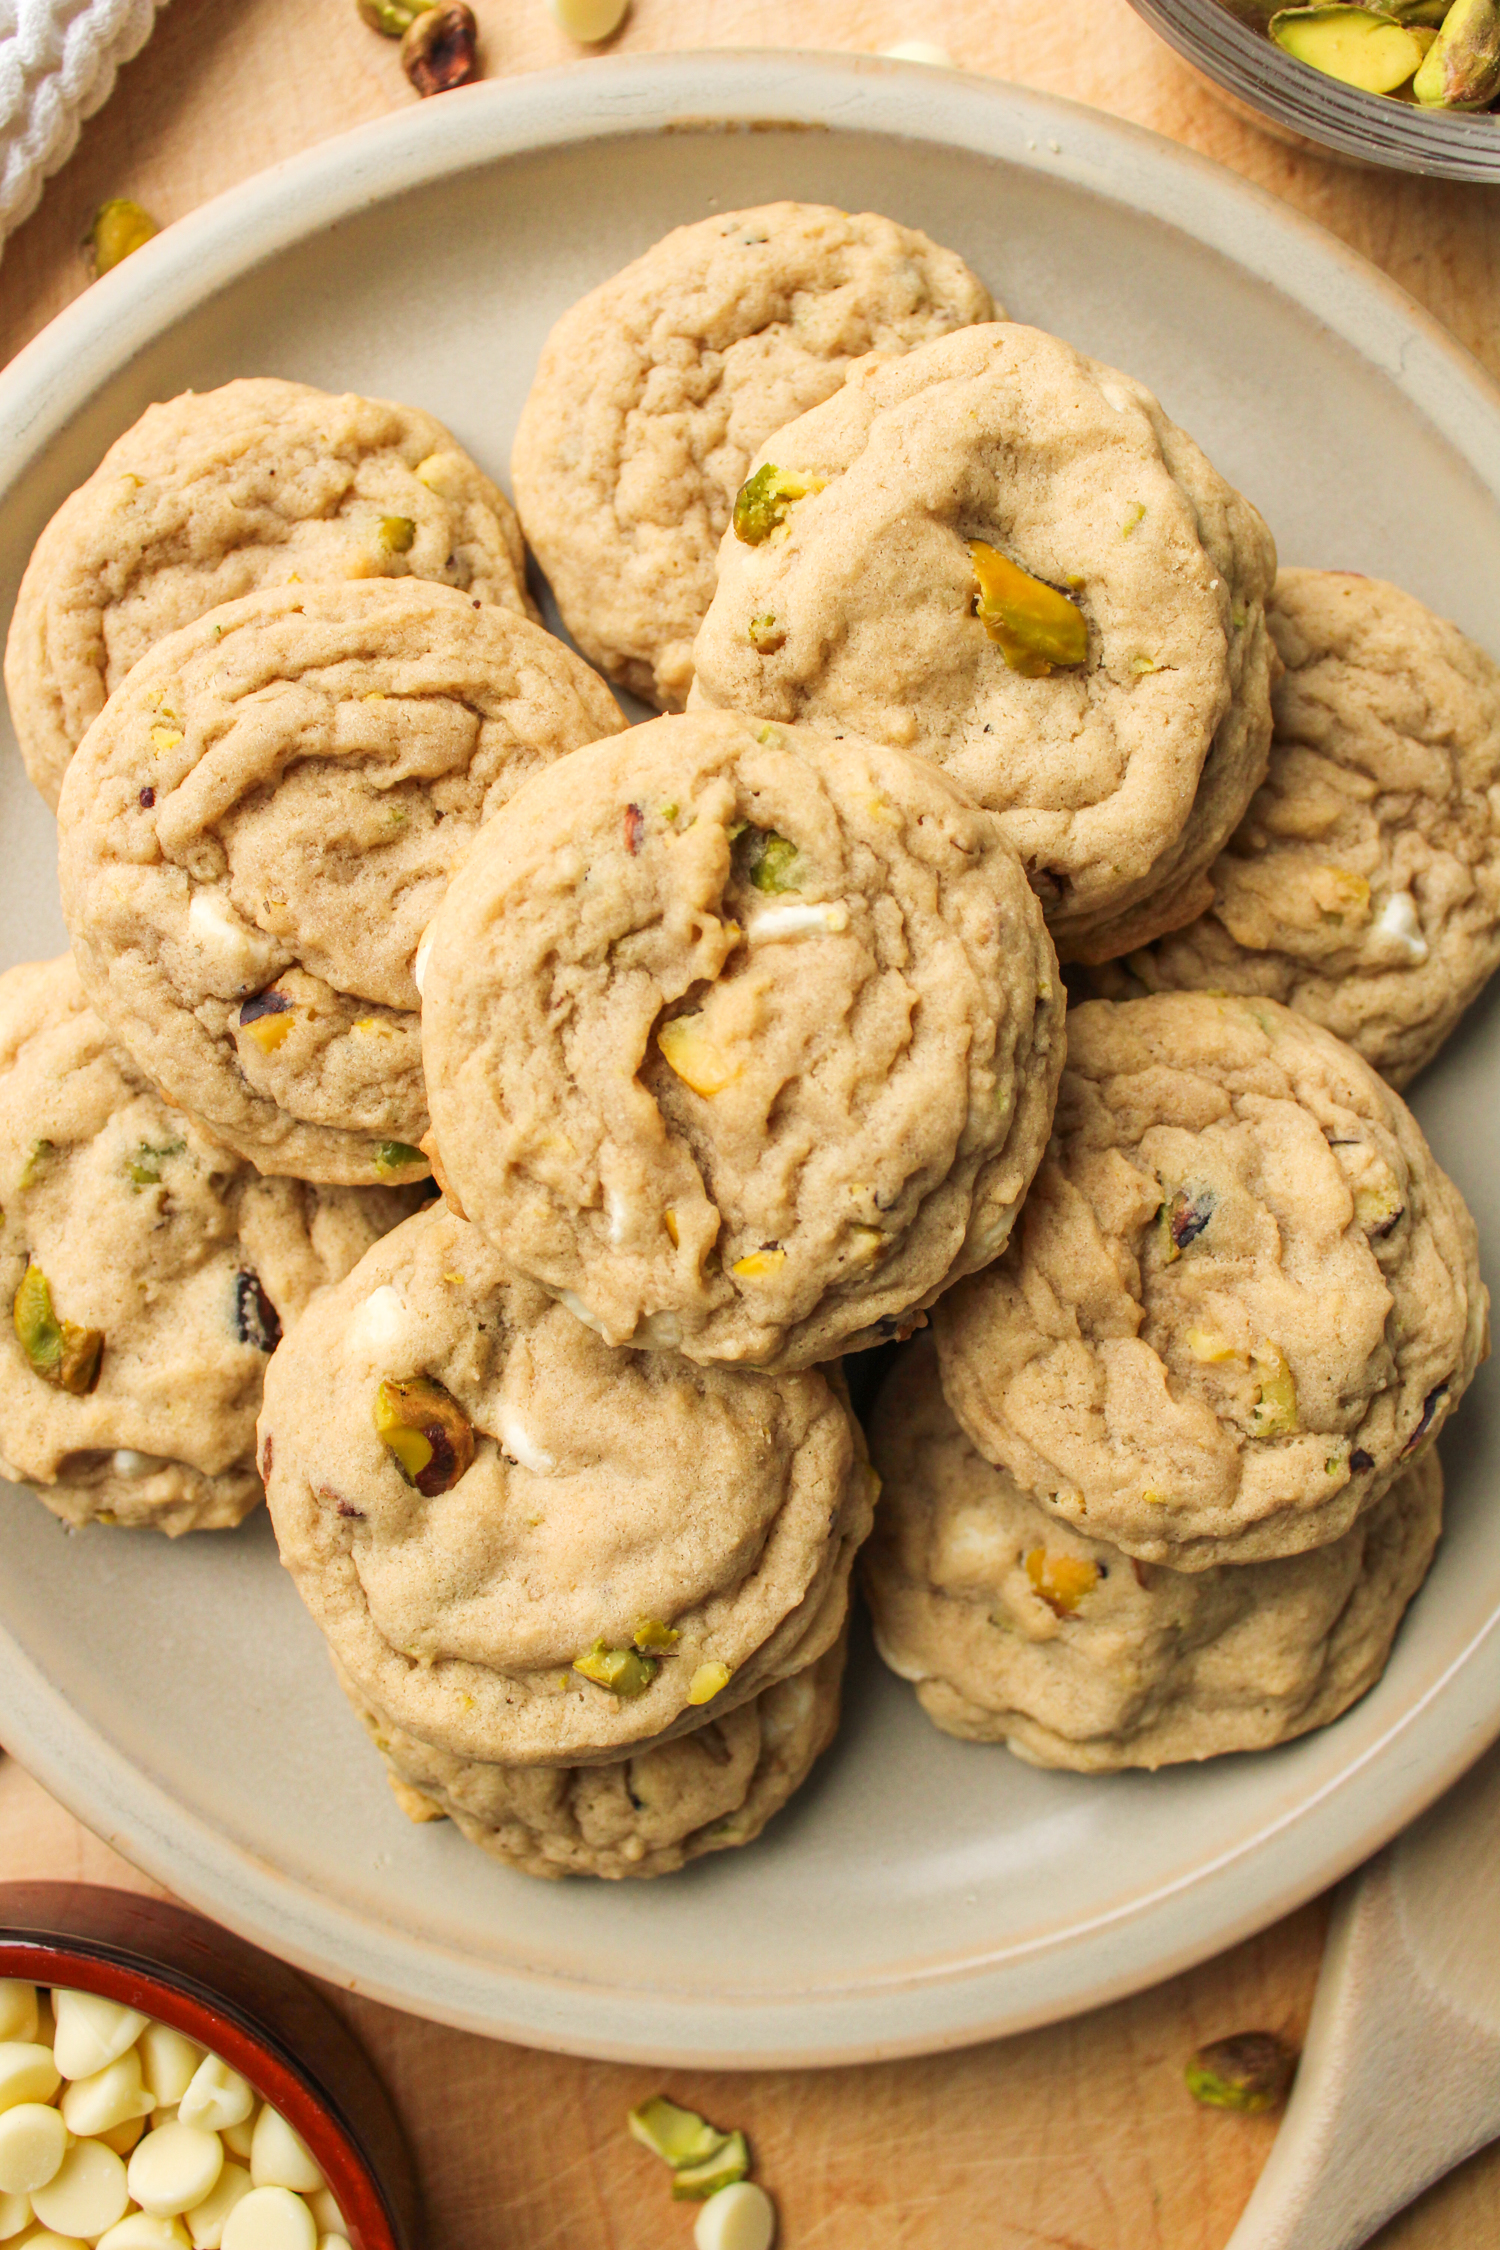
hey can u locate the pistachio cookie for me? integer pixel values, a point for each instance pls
(215, 494)
(648, 1814)
(1016, 1628)
(1242, 1296)
(1002, 554)
(147, 1275)
(1363, 885)
(529, 1549)
(742, 1040)
(259, 826)
(655, 391)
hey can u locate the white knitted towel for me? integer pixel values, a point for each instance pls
(58, 60)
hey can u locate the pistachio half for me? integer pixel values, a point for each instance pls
(1357, 46)
(440, 49)
(1249, 2072)
(1036, 629)
(58, 1350)
(1461, 69)
(624, 1671)
(428, 1434)
(391, 18)
(677, 2136)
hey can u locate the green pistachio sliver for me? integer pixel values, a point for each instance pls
(678, 2136)
(694, 2183)
(766, 860)
(58, 1350)
(624, 1671)
(35, 1165)
(393, 1157)
(143, 1170)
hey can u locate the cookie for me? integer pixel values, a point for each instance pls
(742, 1040)
(654, 393)
(258, 827)
(590, 1550)
(215, 494)
(1242, 1296)
(1016, 1628)
(1363, 885)
(147, 1274)
(1003, 554)
(645, 1815)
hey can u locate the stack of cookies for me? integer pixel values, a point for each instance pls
(732, 1044)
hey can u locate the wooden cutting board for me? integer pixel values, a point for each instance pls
(1080, 2137)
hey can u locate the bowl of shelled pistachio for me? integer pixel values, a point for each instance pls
(1414, 84)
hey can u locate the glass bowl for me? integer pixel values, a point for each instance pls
(240, 2004)
(1373, 128)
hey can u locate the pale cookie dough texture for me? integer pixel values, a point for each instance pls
(742, 1040)
(258, 828)
(1241, 1298)
(656, 390)
(1363, 886)
(184, 1261)
(646, 1815)
(1117, 779)
(1016, 1628)
(609, 1499)
(216, 494)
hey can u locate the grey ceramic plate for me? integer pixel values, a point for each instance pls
(919, 1893)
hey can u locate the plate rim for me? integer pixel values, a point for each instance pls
(1213, 1905)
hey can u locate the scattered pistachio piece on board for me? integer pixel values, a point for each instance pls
(1461, 69)
(440, 49)
(391, 18)
(1250, 2072)
(1036, 629)
(119, 227)
(678, 2136)
(588, 21)
(58, 1350)
(1358, 46)
(693, 2182)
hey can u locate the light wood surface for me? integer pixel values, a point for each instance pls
(1080, 2137)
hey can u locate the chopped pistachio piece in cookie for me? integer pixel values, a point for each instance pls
(59, 1350)
(624, 1671)
(426, 1431)
(1036, 629)
(762, 503)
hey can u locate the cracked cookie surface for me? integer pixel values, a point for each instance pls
(171, 1252)
(258, 828)
(1118, 756)
(1017, 1628)
(215, 494)
(1363, 885)
(649, 1814)
(742, 1040)
(681, 1530)
(655, 391)
(1241, 1298)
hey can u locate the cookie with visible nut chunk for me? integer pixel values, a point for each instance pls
(1363, 885)
(529, 1549)
(648, 1814)
(146, 1276)
(215, 494)
(656, 390)
(1242, 1296)
(742, 1040)
(1004, 555)
(258, 827)
(1017, 1628)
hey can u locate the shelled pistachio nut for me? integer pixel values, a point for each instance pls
(1461, 69)
(1360, 47)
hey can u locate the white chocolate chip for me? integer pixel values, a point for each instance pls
(324, 2208)
(588, 21)
(15, 2213)
(168, 2060)
(579, 1310)
(28, 2073)
(270, 2218)
(235, 949)
(126, 1462)
(515, 1441)
(207, 2220)
(1119, 398)
(424, 954)
(333, 2242)
(377, 1326)
(919, 50)
(217, 2097)
(91, 2032)
(658, 1332)
(797, 918)
(43, 2238)
(1398, 920)
(17, 2011)
(138, 2230)
(174, 2168)
(111, 2097)
(33, 2143)
(741, 2217)
(280, 2157)
(239, 2139)
(86, 2195)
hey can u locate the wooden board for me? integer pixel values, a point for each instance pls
(1080, 2137)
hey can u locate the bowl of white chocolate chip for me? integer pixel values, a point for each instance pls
(165, 2087)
